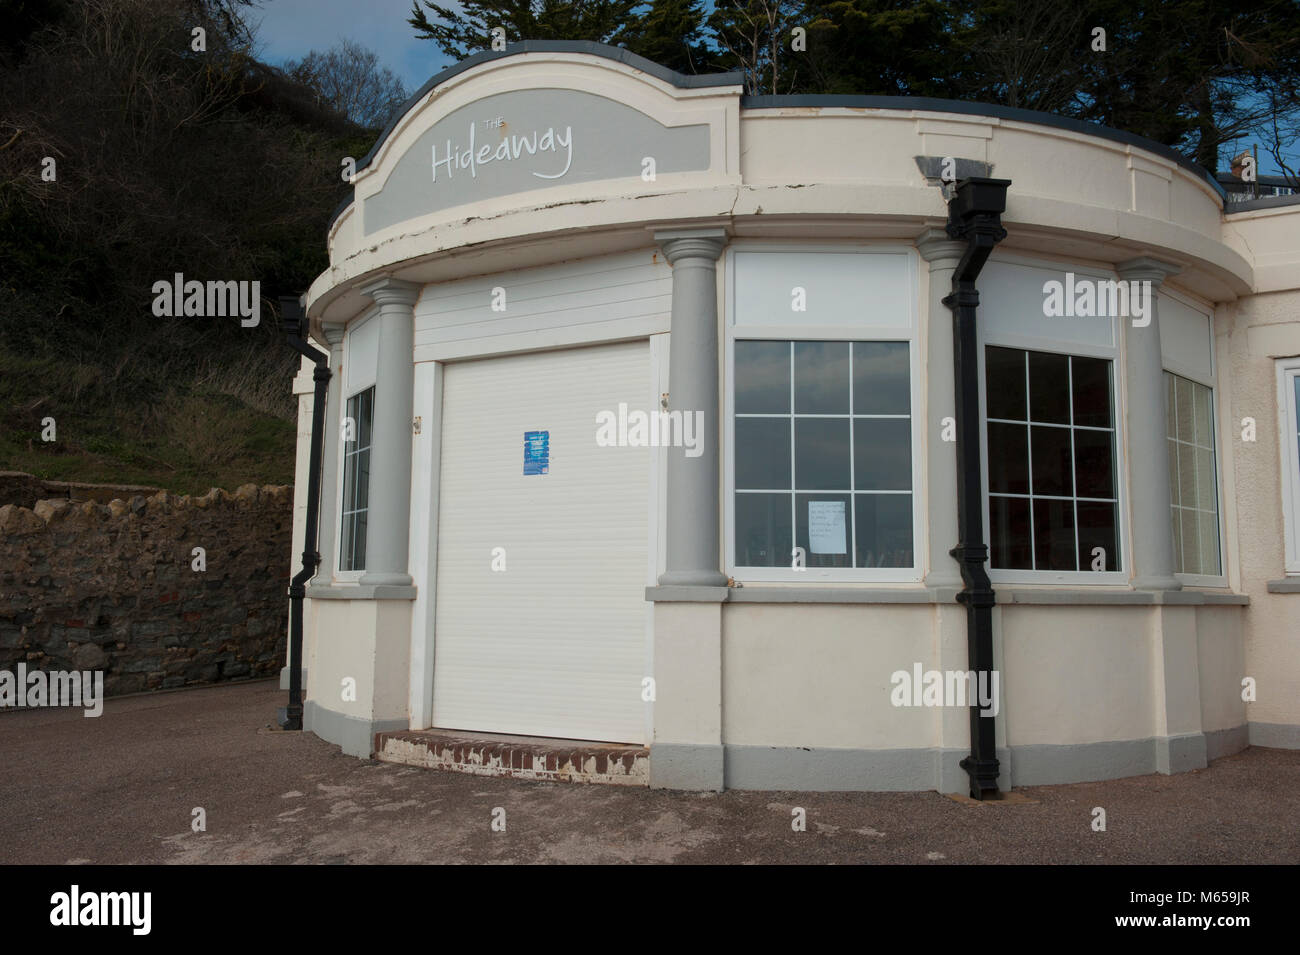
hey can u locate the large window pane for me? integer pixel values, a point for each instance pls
(798, 463)
(881, 378)
(883, 530)
(1053, 467)
(882, 454)
(821, 377)
(762, 377)
(824, 528)
(1004, 371)
(356, 480)
(1054, 540)
(763, 453)
(1094, 455)
(1010, 532)
(1049, 387)
(1097, 528)
(763, 536)
(1051, 483)
(1091, 382)
(821, 454)
(1008, 458)
(1193, 479)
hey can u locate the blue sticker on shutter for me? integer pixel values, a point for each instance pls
(537, 452)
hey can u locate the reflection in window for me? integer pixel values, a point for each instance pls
(823, 454)
(1193, 484)
(1051, 461)
(356, 479)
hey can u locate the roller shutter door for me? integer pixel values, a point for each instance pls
(554, 645)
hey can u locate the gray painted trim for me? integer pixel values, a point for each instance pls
(1265, 202)
(686, 766)
(935, 595)
(843, 595)
(355, 735)
(1178, 754)
(1219, 743)
(929, 104)
(679, 80)
(1008, 596)
(678, 594)
(808, 769)
(1046, 764)
(1275, 735)
(362, 592)
(284, 678)
(1288, 585)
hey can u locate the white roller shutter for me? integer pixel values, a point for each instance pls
(555, 645)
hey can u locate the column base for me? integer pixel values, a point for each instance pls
(692, 578)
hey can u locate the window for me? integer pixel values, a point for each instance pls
(1193, 482)
(823, 454)
(1052, 486)
(356, 480)
(1288, 380)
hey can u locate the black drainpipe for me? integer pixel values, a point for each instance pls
(975, 217)
(295, 332)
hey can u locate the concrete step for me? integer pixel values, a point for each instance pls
(524, 757)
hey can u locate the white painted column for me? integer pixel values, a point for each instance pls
(693, 557)
(1150, 497)
(426, 466)
(329, 485)
(388, 519)
(943, 254)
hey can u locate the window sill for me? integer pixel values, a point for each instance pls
(1287, 585)
(1006, 596)
(360, 592)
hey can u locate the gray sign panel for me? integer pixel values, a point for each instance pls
(525, 140)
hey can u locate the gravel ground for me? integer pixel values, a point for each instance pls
(122, 789)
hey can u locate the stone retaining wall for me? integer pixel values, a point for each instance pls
(114, 587)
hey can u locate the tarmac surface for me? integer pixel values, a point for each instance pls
(123, 788)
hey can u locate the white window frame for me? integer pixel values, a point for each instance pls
(848, 333)
(1288, 370)
(350, 387)
(1206, 377)
(1045, 343)
(1221, 578)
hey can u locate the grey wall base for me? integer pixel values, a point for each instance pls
(678, 766)
(1275, 735)
(355, 735)
(284, 678)
(1226, 742)
(807, 769)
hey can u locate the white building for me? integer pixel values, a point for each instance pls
(554, 244)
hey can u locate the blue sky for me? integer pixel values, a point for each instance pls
(289, 29)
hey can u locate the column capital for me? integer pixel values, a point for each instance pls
(691, 243)
(391, 291)
(333, 332)
(938, 249)
(1146, 268)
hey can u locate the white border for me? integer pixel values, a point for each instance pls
(345, 393)
(796, 332)
(1287, 417)
(1115, 356)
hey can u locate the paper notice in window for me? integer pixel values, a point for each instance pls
(826, 527)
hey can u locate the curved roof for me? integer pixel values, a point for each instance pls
(683, 81)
